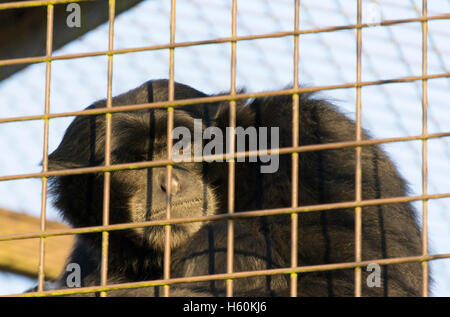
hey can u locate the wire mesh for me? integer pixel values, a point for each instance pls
(296, 33)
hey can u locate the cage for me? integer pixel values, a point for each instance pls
(382, 62)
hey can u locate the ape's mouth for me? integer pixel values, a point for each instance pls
(179, 209)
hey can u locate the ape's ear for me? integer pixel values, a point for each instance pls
(81, 146)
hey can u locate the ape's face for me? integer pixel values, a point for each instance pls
(147, 200)
(136, 195)
(143, 137)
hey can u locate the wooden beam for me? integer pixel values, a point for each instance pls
(23, 30)
(22, 256)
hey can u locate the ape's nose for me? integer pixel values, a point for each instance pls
(176, 186)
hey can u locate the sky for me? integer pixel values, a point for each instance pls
(390, 110)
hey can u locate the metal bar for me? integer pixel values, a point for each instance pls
(49, 46)
(170, 124)
(190, 101)
(231, 151)
(30, 60)
(294, 157)
(303, 148)
(35, 3)
(239, 215)
(424, 151)
(107, 174)
(236, 275)
(358, 170)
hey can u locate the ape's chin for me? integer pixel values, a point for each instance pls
(155, 236)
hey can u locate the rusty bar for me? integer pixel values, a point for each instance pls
(294, 155)
(186, 102)
(230, 152)
(239, 215)
(170, 124)
(49, 49)
(358, 172)
(236, 275)
(107, 174)
(35, 3)
(424, 151)
(29, 60)
(147, 164)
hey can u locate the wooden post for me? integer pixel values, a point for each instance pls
(22, 256)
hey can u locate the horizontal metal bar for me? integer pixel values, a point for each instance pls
(35, 3)
(223, 157)
(186, 102)
(237, 215)
(235, 275)
(40, 59)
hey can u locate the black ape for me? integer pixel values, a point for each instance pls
(201, 189)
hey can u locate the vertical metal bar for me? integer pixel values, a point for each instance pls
(424, 150)
(358, 173)
(231, 161)
(49, 48)
(170, 118)
(295, 140)
(107, 175)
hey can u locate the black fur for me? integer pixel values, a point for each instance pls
(260, 243)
